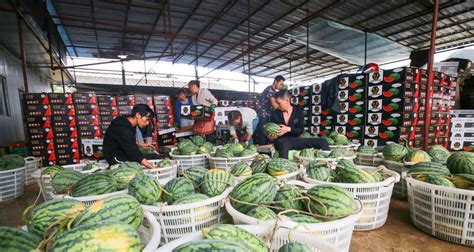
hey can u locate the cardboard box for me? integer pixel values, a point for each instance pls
(352, 95)
(65, 131)
(462, 144)
(162, 100)
(38, 110)
(144, 99)
(391, 119)
(60, 98)
(352, 81)
(92, 148)
(66, 143)
(36, 99)
(87, 119)
(164, 109)
(108, 111)
(86, 109)
(393, 90)
(328, 120)
(106, 101)
(394, 105)
(164, 118)
(84, 98)
(390, 133)
(316, 87)
(126, 100)
(38, 131)
(167, 137)
(397, 75)
(305, 91)
(354, 132)
(38, 122)
(63, 109)
(125, 110)
(316, 99)
(195, 111)
(96, 133)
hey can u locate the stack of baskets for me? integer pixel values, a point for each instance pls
(32, 164)
(12, 183)
(164, 174)
(228, 163)
(186, 161)
(368, 159)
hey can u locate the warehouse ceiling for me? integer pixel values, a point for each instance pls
(214, 33)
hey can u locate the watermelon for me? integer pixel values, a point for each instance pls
(88, 167)
(11, 161)
(289, 197)
(226, 232)
(101, 236)
(256, 189)
(208, 145)
(307, 153)
(51, 212)
(190, 198)
(195, 174)
(461, 162)
(295, 247)
(353, 175)
(320, 171)
(394, 152)
(340, 139)
(223, 153)
(51, 170)
(438, 154)
(134, 165)
(94, 184)
(262, 213)
(211, 245)
(246, 153)
(177, 188)
(259, 165)
(17, 240)
(271, 129)
(203, 150)
(303, 218)
(418, 156)
(64, 180)
(198, 140)
(463, 181)
(215, 181)
(241, 169)
(163, 163)
(123, 176)
(439, 180)
(344, 163)
(378, 177)
(145, 189)
(329, 140)
(367, 150)
(236, 149)
(428, 168)
(331, 201)
(123, 208)
(280, 166)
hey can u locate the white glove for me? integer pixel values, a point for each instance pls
(247, 143)
(236, 140)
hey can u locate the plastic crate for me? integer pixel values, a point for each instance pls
(32, 164)
(400, 188)
(12, 183)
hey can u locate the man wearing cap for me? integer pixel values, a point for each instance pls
(120, 143)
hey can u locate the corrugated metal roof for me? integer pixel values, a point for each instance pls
(217, 30)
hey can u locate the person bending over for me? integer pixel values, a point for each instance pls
(244, 118)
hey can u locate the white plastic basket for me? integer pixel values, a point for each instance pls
(306, 160)
(446, 213)
(12, 183)
(88, 200)
(163, 174)
(368, 159)
(352, 146)
(374, 196)
(186, 161)
(400, 188)
(177, 221)
(228, 163)
(273, 238)
(32, 164)
(290, 176)
(338, 233)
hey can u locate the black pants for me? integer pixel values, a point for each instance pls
(285, 144)
(260, 136)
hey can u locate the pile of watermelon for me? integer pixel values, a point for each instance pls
(11, 161)
(264, 164)
(224, 237)
(197, 184)
(399, 153)
(259, 196)
(346, 172)
(231, 150)
(335, 138)
(458, 172)
(193, 146)
(68, 225)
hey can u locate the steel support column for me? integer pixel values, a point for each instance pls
(22, 52)
(430, 76)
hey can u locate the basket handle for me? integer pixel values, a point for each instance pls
(30, 158)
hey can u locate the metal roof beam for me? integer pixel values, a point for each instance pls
(268, 53)
(153, 27)
(440, 28)
(231, 30)
(216, 19)
(125, 24)
(284, 31)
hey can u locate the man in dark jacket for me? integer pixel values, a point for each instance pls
(291, 121)
(120, 143)
(266, 104)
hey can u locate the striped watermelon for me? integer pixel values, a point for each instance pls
(295, 247)
(101, 236)
(463, 181)
(378, 177)
(177, 188)
(271, 129)
(308, 153)
(262, 213)
(320, 171)
(17, 240)
(134, 165)
(87, 167)
(215, 181)
(211, 245)
(227, 232)
(344, 163)
(288, 196)
(394, 152)
(353, 175)
(259, 165)
(428, 168)
(94, 184)
(303, 218)
(123, 176)
(331, 201)
(123, 208)
(45, 214)
(438, 154)
(145, 189)
(195, 174)
(439, 180)
(63, 180)
(461, 162)
(51, 170)
(280, 166)
(418, 156)
(241, 169)
(256, 189)
(190, 198)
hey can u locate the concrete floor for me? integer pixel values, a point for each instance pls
(398, 234)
